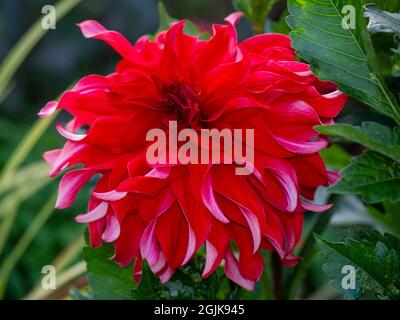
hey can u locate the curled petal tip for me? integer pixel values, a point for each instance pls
(48, 109)
(97, 213)
(234, 18)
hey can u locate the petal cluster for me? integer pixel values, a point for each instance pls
(166, 213)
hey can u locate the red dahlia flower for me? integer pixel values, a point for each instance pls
(165, 213)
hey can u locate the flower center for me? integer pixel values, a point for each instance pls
(181, 103)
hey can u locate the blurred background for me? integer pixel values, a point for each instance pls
(32, 234)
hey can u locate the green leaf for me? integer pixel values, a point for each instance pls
(166, 20)
(344, 56)
(107, 280)
(372, 135)
(335, 157)
(375, 258)
(372, 176)
(382, 21)
(186, 284)
(256, 11)
(388, 215)
(149, 288)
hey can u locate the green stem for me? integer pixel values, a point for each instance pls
(306, 253)
(277, 276)
(266, 279)
(24, 242)
(25, 45)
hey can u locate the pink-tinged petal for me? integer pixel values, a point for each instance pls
(290, 260)
(210, 201)
(69, 151)
(333, 176)
(160, 173)
(48, 109)
(315, 207)
(160, 264)
(289, 187)
(250, 167)
(110, 195)
(113, 229)
(52, 156)
(254, 226)
(191, 247)
(302, 147)
(70, 185)
(69, 135)
(166, 275)
(233, 273)
(93, 29)
(234, 18)
(211, 258)
(97, 213)
(148, 244)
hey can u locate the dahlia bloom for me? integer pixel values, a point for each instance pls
(166, 213)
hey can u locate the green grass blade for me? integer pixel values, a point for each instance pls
(25, 241)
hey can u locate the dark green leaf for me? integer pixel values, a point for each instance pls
(388, 215)
(185, 284)
(335, 157)
(342, 55)
(166, 20)
(374, 257)
(108, 281)
(382, 21)
(372, 135)
(149, 287)
(106, 278)
(371, 175)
